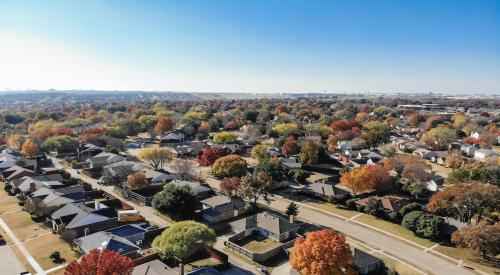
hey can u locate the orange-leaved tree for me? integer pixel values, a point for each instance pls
(101, 262)
(29, 148)
(322, 252)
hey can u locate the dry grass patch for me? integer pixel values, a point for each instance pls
(23, 259)
(40, 249)
(257, 243)
(394, 265)
(332, 208)
(393, 228)
(23, 226)
(470, 258)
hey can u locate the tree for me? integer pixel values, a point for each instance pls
(429, 226)
(230, 186)
(164, 124)
(259, 152)
(59, 143)
(225, 137)
(292, 209)
(466, 200)
(177, 201)
(102, 262)
(299, 175)
(357, 180)
(286, 129)
(183, 239)
(185, 169)
(156, 156)
(272, 167)
(454, 161)
(255, 187)
(387, 150)
(210, 155)
(375, 133)
(373, 207)
(137, 180)
(29, 148)
(309, 153)
(230, 166)
(440, 137)
(14, 141)
(410, 220)
(290, 147)
(413, 206)
(481, 237)
(322, 253)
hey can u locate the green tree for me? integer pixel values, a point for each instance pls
(225, 137)
(230, 166)
(177, 201)
(255, 187)
(440, 136)
(429, 226)
(286, 129)
(183, 239)
(410, 220)
(292, 209)
(375, 133)
(259, 152)
(309, 153)
(272, 167)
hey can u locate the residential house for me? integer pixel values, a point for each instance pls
(200, 191)
(103, 159)
(484, 154)
(155, 267)
(325, 190)
(76, 219)
(389, 203)
(173, 138)
(267, 225)
(125, 240)
(468, 150)
(16, 172)
(440, 157)
(219, 208)
(46, 200)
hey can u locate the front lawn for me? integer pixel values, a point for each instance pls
(393, 228)
(23, 226)
(40, 249)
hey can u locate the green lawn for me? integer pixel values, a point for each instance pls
(257, 243)
(439, 168)
(393, 228)
(333, 209)
(470, 258)
(201, 263)
(394, 265)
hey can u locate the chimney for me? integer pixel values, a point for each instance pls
(292, 219)
(97, 205)
(32, 187)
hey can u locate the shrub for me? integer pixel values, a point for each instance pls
(409, 208)
(410, 220)
(7, 188)
(394, 216)
(55, 256)
(429, 226)
(351, 203)
(360, 208)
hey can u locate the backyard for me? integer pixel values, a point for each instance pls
(258, 243)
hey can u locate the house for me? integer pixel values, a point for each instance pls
(325, 190)
(266, 224)
(173, 138)
(468, 150)
(46, 200)
(31, 184)
(103, 159)
(389, 203)
(105, 240)
(425, 153)
(155, 267)
(219, 208)
(435, 184)
(49, 181)
(89, 150)
(125, 240)
(292, 162)
(199, 190)
(16, 172)
(440, 157)
(484, 154)
(76, 219)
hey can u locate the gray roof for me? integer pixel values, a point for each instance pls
(224, 203)
(325, 189)
(155, 267)
(106, 240)
(266, 221)
(196, 187)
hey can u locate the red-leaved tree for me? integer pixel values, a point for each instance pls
(210, 155)
(101, 262)
(230, 185)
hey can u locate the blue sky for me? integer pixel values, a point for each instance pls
(252, 46)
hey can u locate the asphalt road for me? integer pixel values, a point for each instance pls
(9, 263)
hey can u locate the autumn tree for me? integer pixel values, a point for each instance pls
(255, 187)
(482, 237)
(465, 200)
(164, 124)
(137, 180)
(229, 186)
(454, 161)
(14, 141)
(102, 262)
(440, 137)
(229, 166)
(177, 201)
(309, 153)
(183, 239)
(322, 253)
(156, 157)
(210, 155)
(290, 147)
(29, 148)
(375, 133)
(259, 152)
(409, 167)
(286, 129)
(225, 137)
(367, 178)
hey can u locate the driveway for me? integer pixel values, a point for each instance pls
(9, 262)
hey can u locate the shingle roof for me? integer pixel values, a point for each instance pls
(106, 240)
(266, 221)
